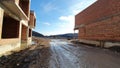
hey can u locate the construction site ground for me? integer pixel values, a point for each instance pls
(58, 53)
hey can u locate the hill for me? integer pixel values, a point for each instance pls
(65, 36)
(36, 34)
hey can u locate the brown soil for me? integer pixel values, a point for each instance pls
(28, 58)
(61, 54)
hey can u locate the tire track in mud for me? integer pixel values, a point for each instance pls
(55, 58)
(64, 58)
(66, 55)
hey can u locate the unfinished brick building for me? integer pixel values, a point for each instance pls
(16, 24)
(99, 24)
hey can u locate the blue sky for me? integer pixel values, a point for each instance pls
(57, 16)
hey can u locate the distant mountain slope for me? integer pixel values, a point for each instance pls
(34, 33)
(66, 36)
(61, 36)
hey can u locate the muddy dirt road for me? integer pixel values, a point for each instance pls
(67, 55)
(62, 54)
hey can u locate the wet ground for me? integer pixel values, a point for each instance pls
(67, 55)
(62, 54)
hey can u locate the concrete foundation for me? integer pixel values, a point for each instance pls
(8, 45)
(105, 44)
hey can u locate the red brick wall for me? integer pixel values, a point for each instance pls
(32, 20)
(102, 21)
(24, 33)
(99, 9)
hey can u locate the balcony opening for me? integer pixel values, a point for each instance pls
(24, 4)
(30, 33)
(10, 28)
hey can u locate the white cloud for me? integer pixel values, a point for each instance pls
(66, 22)
(69, 18)
(47, 23)
(66, 25)
(49, 7)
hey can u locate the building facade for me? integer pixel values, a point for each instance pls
(16, 24)
(99, 24)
